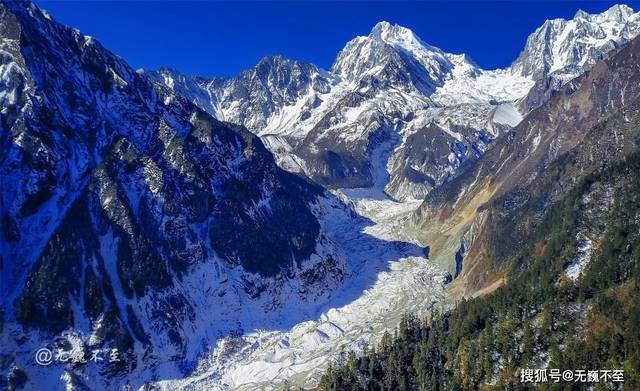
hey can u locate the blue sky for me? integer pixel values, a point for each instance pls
(223, 38)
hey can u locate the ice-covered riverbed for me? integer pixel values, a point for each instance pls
(388, 275)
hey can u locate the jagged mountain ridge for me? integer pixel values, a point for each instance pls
(561, 50)
(568, 45)
(350, 128)
(256, 94)
(375, 88)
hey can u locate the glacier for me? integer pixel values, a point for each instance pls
(385, 280)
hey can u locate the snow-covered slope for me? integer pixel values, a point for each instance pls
(387, 276)
(567, 47)
(561, 49)
(256, 96)
(390, 86)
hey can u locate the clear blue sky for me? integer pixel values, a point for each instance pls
(223, 38)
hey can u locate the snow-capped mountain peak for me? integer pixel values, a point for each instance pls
(390, 86)
(619, 13)
(565, 47)
(389, 51)
(383, 27)
(397, 35)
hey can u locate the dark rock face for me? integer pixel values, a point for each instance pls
(201, 168)
(266, 239)
(416, 169)
(114, 188)
(335, 162)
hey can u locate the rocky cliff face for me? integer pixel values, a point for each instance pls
(120, 201)
(563, 47)
(561, 50)
(589, 125)
(256, 95)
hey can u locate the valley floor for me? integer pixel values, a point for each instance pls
(384, 290)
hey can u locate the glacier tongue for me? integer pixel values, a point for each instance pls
(388, 275)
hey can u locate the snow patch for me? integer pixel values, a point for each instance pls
(507, 114)
(582, 258)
